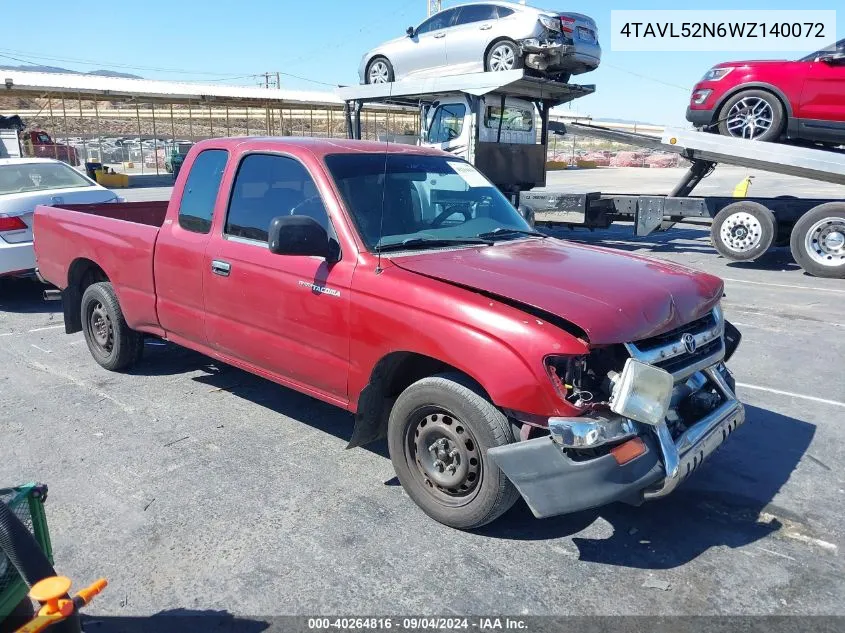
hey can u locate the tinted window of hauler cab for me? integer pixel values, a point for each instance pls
(200, 194)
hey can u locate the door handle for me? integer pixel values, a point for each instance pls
(439, 35)
(485, 27)
(221, 268)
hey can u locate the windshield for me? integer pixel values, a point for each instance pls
(838, 47)
(426, 199)
(21, 177)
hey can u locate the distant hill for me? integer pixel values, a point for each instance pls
(56, 69)
(629, 122)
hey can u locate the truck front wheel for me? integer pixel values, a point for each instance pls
(439, 432)
(112, 344)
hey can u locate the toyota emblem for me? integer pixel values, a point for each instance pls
(689, 342)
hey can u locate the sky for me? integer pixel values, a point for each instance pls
(318, 45)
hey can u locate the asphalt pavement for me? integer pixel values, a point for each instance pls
(191, 485)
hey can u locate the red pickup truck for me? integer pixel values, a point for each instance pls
(398, 283)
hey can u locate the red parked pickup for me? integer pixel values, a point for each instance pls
(398, 283)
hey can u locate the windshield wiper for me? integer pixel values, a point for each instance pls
(424, 242)
(503, 232)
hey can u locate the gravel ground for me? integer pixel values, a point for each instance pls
(195, 486)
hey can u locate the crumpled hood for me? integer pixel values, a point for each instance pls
(612, 296)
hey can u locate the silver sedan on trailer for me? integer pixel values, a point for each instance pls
(488, 36)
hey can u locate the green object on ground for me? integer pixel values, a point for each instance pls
(27, 502)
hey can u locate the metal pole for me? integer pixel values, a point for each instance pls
(210, 121)
(140, 134)
(53, 128)
(172, 128)
(84, 144)
(311, 118)
(190, 122)
(247, 120)
(227, 120)
(281, 122)
(267, 117)
(155, 137)
(67, 133)
(331, 123)
(99, 136)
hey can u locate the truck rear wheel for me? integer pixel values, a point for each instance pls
(818, 240)
(110, 340)
(438, 435)
(743, 231)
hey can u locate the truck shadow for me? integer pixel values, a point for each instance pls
(727, 503)
(26, 296)
(163, 359)
(175, 621)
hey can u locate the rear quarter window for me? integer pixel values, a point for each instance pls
(197, 206)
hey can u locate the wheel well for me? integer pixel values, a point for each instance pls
(81, 274)
(390, 377)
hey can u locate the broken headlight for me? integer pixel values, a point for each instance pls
(641, 392)
(585, 380)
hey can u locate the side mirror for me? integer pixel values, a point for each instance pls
(298, 235)
(834, 59)
(410, 31)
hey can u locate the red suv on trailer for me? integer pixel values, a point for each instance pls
(770, 100)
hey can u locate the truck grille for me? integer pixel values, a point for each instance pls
(684, 350)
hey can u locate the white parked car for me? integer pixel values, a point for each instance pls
(488, 36)
(26, 183)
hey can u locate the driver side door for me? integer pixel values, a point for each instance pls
(449, 128)
(284, 316)
(823, 99)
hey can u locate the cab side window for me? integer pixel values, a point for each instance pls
(447, 123)
(267, 186)
(197, 206)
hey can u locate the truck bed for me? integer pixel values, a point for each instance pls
(119, 237)
(150, 213)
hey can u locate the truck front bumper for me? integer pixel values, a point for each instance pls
(553, 483)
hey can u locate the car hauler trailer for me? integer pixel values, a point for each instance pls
(489, 119)
(742, 229)
(479, 117)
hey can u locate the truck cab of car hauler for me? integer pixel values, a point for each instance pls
(399, 283)
(498, 121)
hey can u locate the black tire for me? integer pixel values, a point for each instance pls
(489, 56)
(778, 117)
(454, 408)
(816, 241)
(382, 60)
(112, 344)
(743, 231)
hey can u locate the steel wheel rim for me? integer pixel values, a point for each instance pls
(741, 232)
(502, 58)
(379, 73)
(825, 242)
(750, 118)
(444, 455)
(102, 330)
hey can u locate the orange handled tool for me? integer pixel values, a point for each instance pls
(55, 607)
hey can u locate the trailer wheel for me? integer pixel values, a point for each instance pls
(438, 435)
(110, 340)
(743, 231)
(818, 240)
